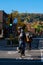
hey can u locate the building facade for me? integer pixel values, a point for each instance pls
(3, 20)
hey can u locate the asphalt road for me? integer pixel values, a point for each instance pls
(18, 62)
(29, 54)
(12, 57)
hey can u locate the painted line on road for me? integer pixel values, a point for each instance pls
(12, 52)
(41, 54)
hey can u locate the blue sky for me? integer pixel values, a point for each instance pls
(31, 6)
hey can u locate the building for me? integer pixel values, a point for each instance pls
(3, 19)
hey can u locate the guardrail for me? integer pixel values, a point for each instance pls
(37, 43)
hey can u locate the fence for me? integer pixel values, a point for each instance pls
(37, 43)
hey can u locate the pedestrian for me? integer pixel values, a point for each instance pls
(22, 42)
(29, 40)
(19, 30)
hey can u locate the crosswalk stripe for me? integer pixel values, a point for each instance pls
(41, 54)
(11, 52)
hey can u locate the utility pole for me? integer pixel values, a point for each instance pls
(10, 30)
(10, 24)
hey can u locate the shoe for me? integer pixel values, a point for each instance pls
(18, 51)
(23, 55)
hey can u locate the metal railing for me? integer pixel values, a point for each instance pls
(37, 43)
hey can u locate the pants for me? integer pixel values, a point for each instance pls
(22, 47)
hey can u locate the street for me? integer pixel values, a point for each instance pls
(9, 52)
(36, 51)
(11, 56)
(29, 54)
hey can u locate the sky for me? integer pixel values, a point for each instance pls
(29, 6)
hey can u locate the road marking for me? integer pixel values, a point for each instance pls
(41, 55)
(28, 55)
(11, 52)
(25, 58)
